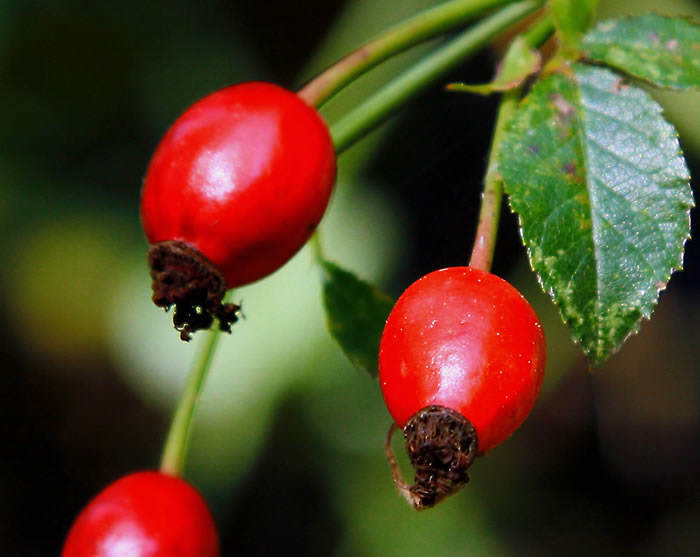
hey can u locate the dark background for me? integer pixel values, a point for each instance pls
(607, 464)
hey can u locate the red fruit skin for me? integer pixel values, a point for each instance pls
(144, 514)
(244, 176)
(467, 340)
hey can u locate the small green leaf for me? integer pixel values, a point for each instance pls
(602, 191)
(572, 18)
(519, 63)
(356, 312)
(664, 51)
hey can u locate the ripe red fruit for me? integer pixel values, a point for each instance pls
(145, 514)
(461, 362)
(235, 188)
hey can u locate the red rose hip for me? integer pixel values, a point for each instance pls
(461, 362)
(235, 188)
(145, 514)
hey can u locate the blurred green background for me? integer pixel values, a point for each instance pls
(288, 445)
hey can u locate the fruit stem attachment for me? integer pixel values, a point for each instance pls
(492, 195)
(316, 247)
(441, 444)
(377, 108)
(409, 33)
(176, 445)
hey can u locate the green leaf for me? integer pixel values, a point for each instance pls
(572, 18)
(661, 50)
(519, 63)
(356, 312)
(602, 191)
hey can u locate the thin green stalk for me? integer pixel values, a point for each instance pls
(409, 33)
(176, 445)
(490, 212)
(316, 247)
(492, 196)
(397, 92)
(539, 31)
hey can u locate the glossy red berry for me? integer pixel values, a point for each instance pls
(461, 362)
(145, 514)
(235, 188)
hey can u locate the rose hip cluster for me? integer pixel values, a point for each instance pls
(235, 188)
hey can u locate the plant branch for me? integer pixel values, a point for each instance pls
(539, 31)
(175, 450)
(397, 92)
(492, 196)
(409, 33)
(490, 212)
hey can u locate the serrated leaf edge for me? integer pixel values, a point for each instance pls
(597, 359)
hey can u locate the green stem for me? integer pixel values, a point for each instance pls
(490, 212)
(397, 92)
(539, 31)
(316, 247)
(492, 196)
(409, 33)
(176, 445)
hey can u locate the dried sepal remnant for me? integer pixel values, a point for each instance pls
(441, 445)
(184, 278)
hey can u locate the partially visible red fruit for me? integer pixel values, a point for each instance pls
(144, 514)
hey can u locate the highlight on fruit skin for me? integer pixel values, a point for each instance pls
(461, 362)
(234, 189)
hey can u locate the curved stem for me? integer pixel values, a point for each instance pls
(492, 196)
(175, 450)
(401, 485)
(396, 93)
(409, 33)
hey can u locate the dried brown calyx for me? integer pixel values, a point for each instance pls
(184, 278)
(441, 444)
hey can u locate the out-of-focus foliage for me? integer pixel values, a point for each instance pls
(661, 50)
(520, 61)
(355, 314)
(288, 445)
